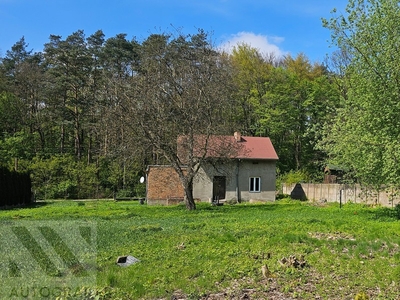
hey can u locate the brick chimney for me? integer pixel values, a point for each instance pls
(238, 136)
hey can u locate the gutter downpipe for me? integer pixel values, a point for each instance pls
(237, 181)
(146, 181)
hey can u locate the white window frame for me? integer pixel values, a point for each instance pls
(255, 184)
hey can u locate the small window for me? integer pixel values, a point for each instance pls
(255, 184)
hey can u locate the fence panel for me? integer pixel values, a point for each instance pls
(331, 192)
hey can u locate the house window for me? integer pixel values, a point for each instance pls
(255, 184)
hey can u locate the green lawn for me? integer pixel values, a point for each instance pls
(220, 250)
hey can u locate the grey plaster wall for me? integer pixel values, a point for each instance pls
(266, 170)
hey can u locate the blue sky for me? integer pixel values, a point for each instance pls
(273, 26)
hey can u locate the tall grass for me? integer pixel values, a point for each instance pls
(347, 250)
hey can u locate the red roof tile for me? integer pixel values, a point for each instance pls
(247, 147)
(257, 148)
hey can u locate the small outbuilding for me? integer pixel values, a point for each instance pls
(333, 174)
(163, 185)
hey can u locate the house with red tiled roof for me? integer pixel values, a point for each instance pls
(239, 168)
(249, 175)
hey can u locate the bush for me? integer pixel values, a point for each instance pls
(282, 196)
(63, 177)
(292, 177)
(397, 211)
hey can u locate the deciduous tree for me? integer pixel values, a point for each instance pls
(181, 89)
(366, 132)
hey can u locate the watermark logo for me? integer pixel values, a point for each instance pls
(46, 259)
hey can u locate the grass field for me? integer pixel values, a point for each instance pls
(281, 250)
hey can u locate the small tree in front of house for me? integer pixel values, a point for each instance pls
(181, 91)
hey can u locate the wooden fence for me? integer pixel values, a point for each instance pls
(354, 193)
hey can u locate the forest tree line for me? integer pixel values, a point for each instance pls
(60, 112)
(76, 114)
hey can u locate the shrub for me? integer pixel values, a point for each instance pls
(295, 177)
(63, 177)
(397, 211)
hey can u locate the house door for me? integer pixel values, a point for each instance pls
(219, 187)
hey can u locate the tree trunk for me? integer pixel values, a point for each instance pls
(77, 136)
(189, 200)
(62, 138)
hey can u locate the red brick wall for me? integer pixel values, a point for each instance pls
(162, 184)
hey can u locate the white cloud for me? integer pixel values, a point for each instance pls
(264, 44)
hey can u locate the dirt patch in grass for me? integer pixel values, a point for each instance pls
(331, 236)
(241, 289)
(272, 289)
